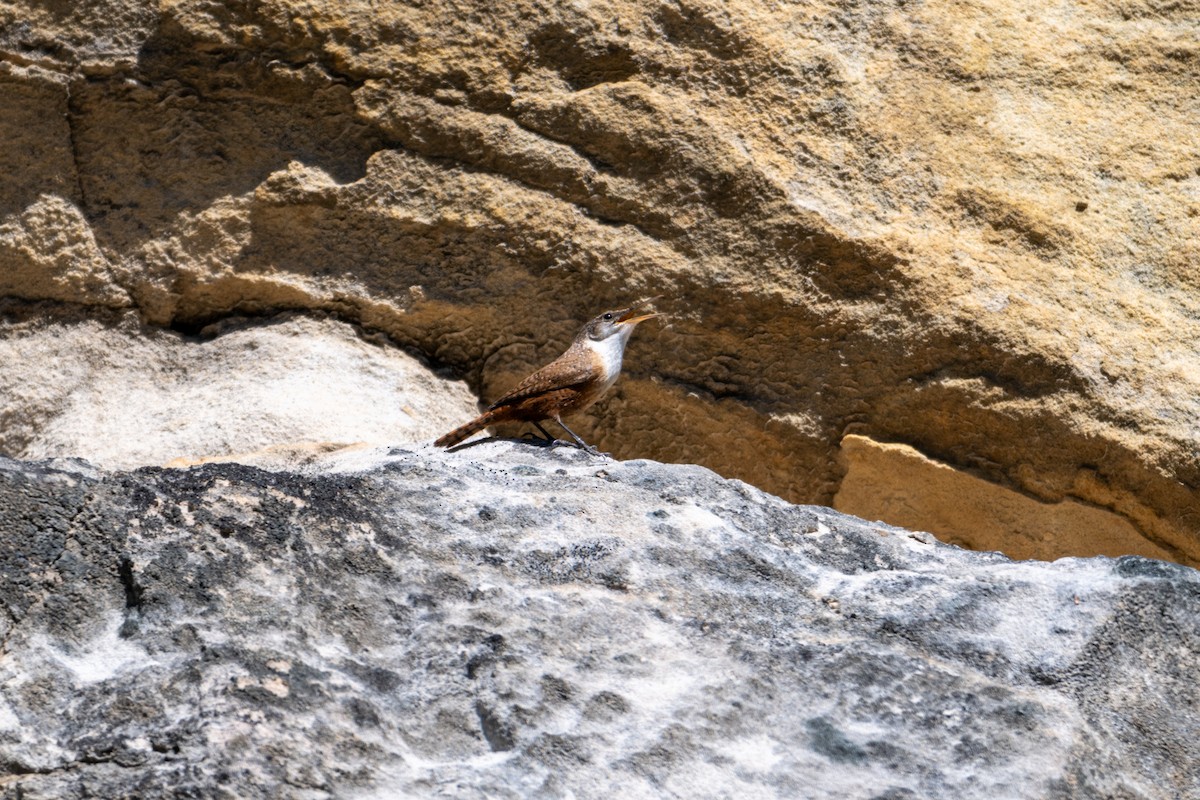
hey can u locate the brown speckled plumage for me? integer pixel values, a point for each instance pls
(570, 383)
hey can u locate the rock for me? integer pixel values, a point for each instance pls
(268, 391)
(899, 484)
(509, 621)
(967, 230)
(932, 263)
(49, 253)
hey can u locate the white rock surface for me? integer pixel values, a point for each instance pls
(125, 396)
(507, 621)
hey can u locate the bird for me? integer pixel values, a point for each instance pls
(569, 383)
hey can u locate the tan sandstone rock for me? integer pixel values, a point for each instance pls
(971, 230)
(896, 482)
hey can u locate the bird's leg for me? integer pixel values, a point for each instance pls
(544, 432)
(532, 438)
(582, 444)
(545, 440)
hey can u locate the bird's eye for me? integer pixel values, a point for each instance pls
(608, 315)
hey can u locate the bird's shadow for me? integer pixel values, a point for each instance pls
(530, 439)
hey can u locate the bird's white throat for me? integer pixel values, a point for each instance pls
(609, 352)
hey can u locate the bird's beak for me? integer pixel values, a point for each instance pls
(627, 319)
(631, 315)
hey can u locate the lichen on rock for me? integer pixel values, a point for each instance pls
(533, 623)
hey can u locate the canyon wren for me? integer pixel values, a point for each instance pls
(569, 383)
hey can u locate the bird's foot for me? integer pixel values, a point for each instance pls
(546, 441)
(541, 441)
(587, 448)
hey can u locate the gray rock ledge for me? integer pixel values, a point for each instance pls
(511, 622)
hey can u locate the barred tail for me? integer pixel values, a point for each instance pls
(463, 431)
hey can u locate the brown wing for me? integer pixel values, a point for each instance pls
(569, 370)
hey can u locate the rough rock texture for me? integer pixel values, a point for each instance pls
(967, 228)
(897, 483)
(413, 624)
(124, 395)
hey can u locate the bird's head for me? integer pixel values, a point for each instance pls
(620, 321)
